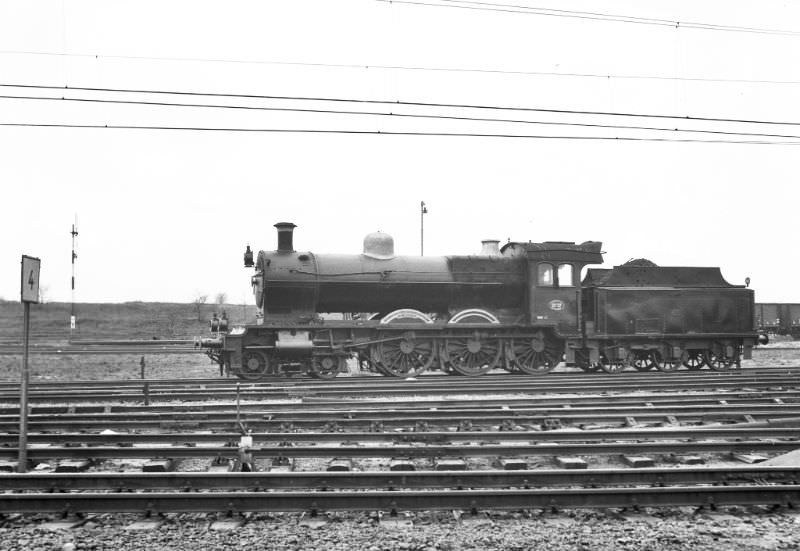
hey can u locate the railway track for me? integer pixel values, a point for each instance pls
(396, 481)
(743, 431)
(14, 347)
(355, 387)
(478, 449)
(267, 420)
(394, 501)
(734, 398)
(457, 430)
(104, 350)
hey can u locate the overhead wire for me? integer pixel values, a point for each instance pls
(388, 133)
(368, 66)
(399, 115)
(404, 103)
(531, 10)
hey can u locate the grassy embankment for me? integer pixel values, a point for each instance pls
(129, 320)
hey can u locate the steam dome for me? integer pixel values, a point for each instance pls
(379, 245)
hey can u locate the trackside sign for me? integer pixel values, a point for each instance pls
(30, 279)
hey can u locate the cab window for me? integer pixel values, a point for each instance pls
(565, 275)
(545, 275)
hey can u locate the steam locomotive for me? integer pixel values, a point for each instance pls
(522, 307)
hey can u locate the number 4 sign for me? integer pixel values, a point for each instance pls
(30, 279)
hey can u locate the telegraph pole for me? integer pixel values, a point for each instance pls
(73, 322)
(423, 210)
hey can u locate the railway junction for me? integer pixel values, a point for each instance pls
(385, 461)
(438, 443)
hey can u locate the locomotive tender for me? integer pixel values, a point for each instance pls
(522, 307)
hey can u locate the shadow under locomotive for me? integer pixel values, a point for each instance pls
(522, 307)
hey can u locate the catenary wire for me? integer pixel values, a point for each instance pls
(512, 8)
(388, 133)
(403, 115)
(368, 66)
(405, 103)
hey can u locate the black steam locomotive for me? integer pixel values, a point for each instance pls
(522, 307)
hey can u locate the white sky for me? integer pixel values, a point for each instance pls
(165, 215)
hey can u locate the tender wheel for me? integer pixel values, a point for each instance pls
(471, 356)
(534, 355)
(665, 364)
(694, 360)
(642, 360)
(718, 362)
(611, 366)
(405, 357)
(254, 365)
(327, 367)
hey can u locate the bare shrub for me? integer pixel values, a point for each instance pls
(198, 302)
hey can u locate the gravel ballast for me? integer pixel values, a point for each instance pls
(732, 529)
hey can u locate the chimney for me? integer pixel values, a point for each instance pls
(285, 232)
(490, 247)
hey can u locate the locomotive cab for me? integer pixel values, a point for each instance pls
(554, 292)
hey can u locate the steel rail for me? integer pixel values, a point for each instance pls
(741, 431)
(82, 351)
(738, 399)
(394, 420)
(435, 378)
(439, 380)
(377, 386)
(473, 500)
(161, 342)
(676, 398)
(145, 343)
(179, 346)
(428, 450)
(395, 480)
(388, 411)
(247, 393)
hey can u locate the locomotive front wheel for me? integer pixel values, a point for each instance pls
(695, 360)
(471, 356)
(406, 357)
(254, 365)
(327, 367)
(534, 355)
